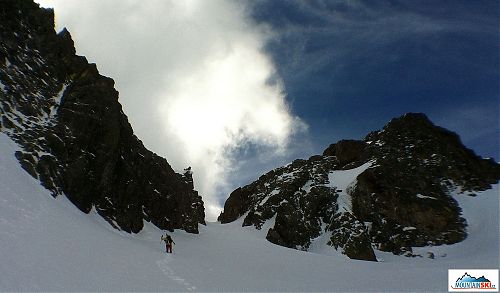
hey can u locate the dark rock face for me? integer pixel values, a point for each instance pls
(398, 196)
(73, 133)
(346, 151)
(409, 192)
(352, 236)
(234, 206)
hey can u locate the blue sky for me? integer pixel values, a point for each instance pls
(350, 66)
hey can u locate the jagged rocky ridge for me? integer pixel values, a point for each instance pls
(390, 191)
(73, 133)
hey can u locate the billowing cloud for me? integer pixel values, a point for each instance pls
(193, 79)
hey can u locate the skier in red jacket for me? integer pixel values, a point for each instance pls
(168, 242)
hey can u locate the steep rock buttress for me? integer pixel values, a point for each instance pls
(73, 133)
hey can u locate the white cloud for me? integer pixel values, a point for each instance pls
(193, 79)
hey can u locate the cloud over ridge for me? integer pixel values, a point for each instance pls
(193, 79)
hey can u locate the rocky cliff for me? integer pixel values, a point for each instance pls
(391, 191)
(73, 133)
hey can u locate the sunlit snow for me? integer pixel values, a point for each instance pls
(47, 244)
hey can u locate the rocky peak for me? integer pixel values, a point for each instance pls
(390, 192)
(439, 152)
(73, 133)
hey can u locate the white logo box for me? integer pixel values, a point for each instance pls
(469, 280)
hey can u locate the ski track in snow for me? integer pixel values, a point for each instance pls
(164, 266)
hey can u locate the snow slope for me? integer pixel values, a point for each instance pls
(47, 244)
(343, 180)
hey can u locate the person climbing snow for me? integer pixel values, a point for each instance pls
(168, 242)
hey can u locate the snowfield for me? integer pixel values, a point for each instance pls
(47, 244)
